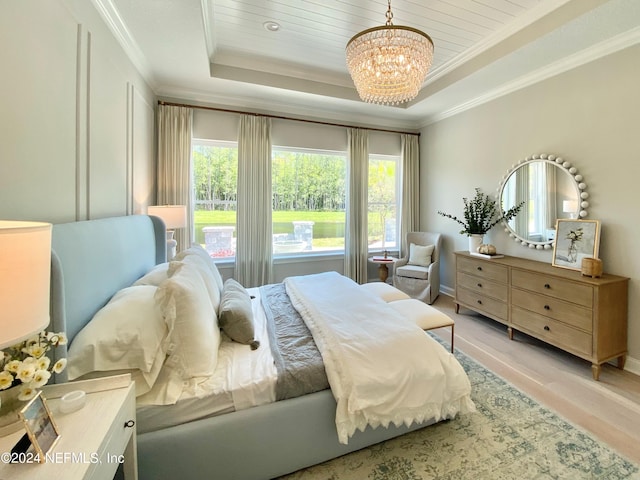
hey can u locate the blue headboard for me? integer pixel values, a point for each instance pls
(91, 260)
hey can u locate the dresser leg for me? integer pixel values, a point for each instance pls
(595, 371)
(510, 333)
(621, 360)
(457, 308)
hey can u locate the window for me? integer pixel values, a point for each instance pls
(308, 200)
(383, 202)
(215, 188)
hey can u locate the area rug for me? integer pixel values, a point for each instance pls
(509, 437)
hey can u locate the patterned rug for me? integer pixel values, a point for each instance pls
(509, 437)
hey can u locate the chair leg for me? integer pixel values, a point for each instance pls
(452, 337)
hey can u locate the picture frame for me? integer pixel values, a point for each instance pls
(575, 240)
(41, 429)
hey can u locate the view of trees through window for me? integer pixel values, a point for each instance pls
(308, 203)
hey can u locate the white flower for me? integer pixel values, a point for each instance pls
(36, 351)
(43, 363)
(6, 380)
(12, 366)
(59, 366)
(26, 393)
(40, 378)
(26, 371)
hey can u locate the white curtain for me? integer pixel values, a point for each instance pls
(174, 164)
(356, 232)
(254, 249)
(410, 194)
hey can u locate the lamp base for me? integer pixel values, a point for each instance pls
(171, 245)
(9, 407)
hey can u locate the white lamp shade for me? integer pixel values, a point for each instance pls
(173, 216)
(25, 274)
(569, 206)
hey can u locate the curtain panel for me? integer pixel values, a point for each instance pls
(174, 164)
(410, 195)
(357, 230)
(254, 248)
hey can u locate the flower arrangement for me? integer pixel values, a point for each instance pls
(574, 237)
(27, 366)
(480, 214)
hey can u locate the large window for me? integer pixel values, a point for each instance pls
(383, 202)
(215, 188)
(308, 203)
(308, 200)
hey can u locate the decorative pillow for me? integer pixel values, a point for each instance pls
(155, 276)
(236, 314)
(127, 334)
(205, 272)
(196, 249)
(420, 254)
(193, 328)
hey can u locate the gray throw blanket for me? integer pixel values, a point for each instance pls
(296, 356)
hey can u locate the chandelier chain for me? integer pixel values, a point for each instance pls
(389, 15)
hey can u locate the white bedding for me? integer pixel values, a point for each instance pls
(243, 378)
(382, 368)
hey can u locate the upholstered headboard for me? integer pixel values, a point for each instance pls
(91, 260)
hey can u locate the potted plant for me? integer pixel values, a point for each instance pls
(481, 214)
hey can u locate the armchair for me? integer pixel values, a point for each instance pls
(417, 273)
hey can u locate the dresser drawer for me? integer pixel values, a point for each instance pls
(483, 286)
(564, 312)
(482, 303)
(552, 331)
(483, 268)
(553, 287)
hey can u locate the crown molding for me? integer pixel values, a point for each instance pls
(602, 49)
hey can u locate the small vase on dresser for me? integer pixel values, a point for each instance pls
(475, 240)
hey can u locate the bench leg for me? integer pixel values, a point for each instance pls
(452, 337)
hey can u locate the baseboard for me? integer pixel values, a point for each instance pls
(631, 364)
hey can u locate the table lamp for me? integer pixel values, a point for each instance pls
(173, 216)
(25, 274)
(570, 207)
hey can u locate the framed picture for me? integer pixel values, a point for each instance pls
(575, 240)
(41, 429)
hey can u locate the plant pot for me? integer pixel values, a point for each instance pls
(475, 240)
(9, 407)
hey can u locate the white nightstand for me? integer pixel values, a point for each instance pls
(93, 440)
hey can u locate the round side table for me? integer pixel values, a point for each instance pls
(383, 268)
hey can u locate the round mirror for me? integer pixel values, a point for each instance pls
(550, 188)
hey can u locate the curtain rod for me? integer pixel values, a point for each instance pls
(172, 104)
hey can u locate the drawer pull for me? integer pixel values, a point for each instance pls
(480, 285)
(546, 285)
(129, 423)
(546, 327)
(547, 307)
(479, 269)
(479, 302)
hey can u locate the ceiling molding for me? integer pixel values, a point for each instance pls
(208, 15)
(118, 28)
(604, 48)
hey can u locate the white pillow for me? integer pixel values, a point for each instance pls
(205, 272)
(196, 249)
(420, 254)
(155, 276)
(128, 333)
(193, 327)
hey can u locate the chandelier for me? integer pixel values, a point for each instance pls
(389, 63)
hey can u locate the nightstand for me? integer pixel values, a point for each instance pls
(94, 440)
(383, 269)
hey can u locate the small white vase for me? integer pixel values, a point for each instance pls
(475, 240)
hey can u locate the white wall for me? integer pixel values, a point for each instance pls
(77, 124)
(589, 116)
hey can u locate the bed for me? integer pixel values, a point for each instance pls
(92, 261)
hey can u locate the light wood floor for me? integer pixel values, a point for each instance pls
(609, 409)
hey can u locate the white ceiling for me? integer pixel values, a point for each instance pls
(218, 51)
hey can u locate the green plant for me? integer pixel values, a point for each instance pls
(481, 214)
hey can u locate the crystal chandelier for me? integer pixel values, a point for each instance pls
(388, 64)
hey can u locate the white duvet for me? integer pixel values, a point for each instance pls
(382, 368)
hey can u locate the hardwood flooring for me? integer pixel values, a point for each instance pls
(609, 409)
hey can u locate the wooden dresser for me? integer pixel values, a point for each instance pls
(584, 316)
